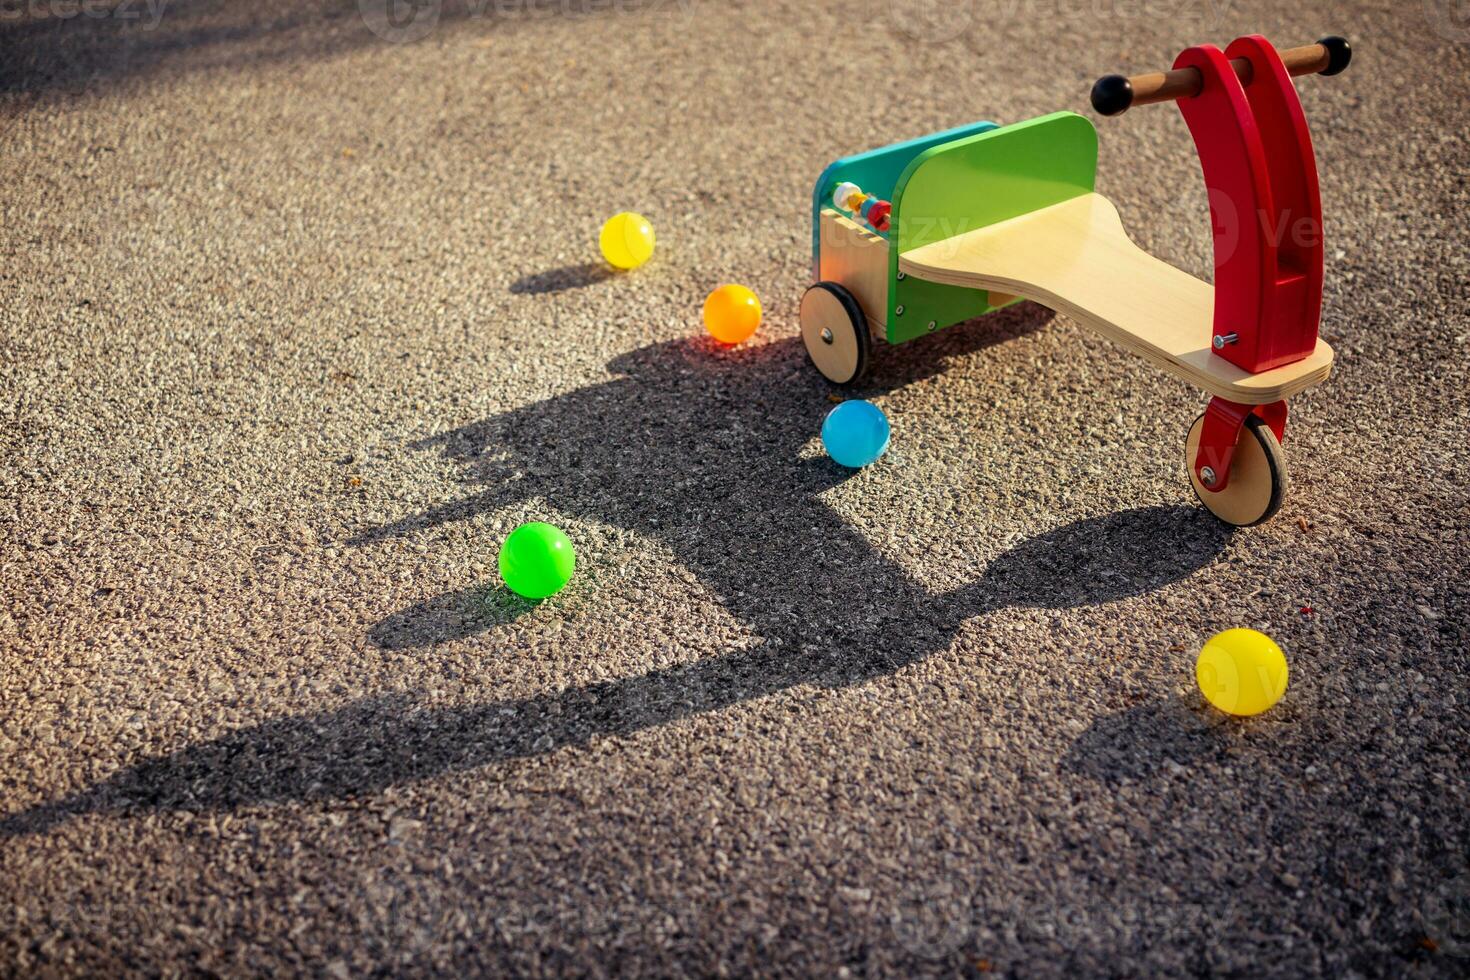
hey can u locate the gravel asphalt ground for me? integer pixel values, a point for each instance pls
(301, 313)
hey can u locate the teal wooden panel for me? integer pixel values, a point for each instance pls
(877, 171)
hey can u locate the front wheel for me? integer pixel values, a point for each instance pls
(835, 332)
(1258, 477)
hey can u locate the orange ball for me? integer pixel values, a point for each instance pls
(731, 313)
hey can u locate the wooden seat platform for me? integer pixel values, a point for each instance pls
(1076, 258)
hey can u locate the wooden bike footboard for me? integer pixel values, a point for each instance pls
(1075, 257)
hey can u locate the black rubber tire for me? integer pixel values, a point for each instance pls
(1275, 461)
(857, 320)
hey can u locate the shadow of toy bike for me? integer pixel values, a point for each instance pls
(698, 447)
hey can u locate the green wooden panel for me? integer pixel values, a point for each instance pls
(969, 183)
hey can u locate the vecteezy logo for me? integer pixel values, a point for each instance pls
(931, 20)
(932, 921)
(400, 21)
(1446, 912)
(1450, 19)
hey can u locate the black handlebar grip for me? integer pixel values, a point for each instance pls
(1113, 94)
(1339, 54)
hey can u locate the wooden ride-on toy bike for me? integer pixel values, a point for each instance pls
(915, 237)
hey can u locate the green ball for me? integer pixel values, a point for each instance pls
(537, 560)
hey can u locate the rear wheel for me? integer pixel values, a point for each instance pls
(835, 332)
(1258, 477)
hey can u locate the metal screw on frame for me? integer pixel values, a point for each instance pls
(898, 311)
(1207, 476)
(1221, 341)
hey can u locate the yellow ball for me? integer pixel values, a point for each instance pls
(1241, 672)
(626, 240)
(731, 313)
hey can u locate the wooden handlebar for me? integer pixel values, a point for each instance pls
(1115, 94)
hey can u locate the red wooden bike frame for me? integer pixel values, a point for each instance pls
(1266, 216)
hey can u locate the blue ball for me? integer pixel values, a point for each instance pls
(855, 433)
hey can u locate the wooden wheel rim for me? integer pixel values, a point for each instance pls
(831, 327)
(1257, 475)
